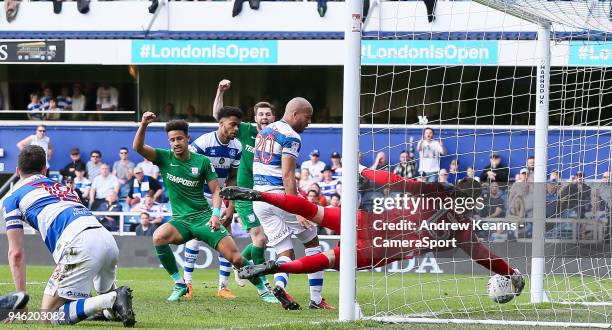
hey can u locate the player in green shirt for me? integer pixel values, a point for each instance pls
(185, 174)
(264, 115)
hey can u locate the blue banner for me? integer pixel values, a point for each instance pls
(205, 51)
(429, 52)
(595, 53)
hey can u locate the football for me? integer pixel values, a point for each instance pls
(500, 289)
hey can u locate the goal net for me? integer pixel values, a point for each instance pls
(492, 93)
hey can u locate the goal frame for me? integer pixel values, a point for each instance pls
(348, 307)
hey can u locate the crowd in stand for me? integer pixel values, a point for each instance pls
(121, 186)
(45, 105)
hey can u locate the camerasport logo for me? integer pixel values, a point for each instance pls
(32, 51)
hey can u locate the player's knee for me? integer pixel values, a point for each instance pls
(260, 240)
(159, 238)
(236, 259)
(312, 243)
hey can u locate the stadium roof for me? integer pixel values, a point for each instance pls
(296, 35)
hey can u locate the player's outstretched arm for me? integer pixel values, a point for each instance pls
(224, 85)
(398, 183)
(138, 145)
(16, 258)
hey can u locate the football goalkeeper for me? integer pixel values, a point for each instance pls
(368, 254)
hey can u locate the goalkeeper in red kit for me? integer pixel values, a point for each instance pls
(392, 225)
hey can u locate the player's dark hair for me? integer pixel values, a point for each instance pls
(150, 193)
(146, 213)
(31, 160)
(229, 111)
(123, 148)
(336, 195)
(95, 152)
(177, 125)
(428, 128)
(259, 105)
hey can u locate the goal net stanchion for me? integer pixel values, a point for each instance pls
(509, 103)
(348, 309)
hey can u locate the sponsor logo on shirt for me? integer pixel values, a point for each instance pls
(182, 181)
(194, 171)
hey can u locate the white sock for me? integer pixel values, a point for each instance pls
(191, 254)
(315, 280)
(78, 310)
(225, 270)
(282, 279)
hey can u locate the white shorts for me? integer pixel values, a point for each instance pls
(88, 262)
(279, 224)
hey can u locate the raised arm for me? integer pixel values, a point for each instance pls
(23, 143)
(138, 145)
(224, 85)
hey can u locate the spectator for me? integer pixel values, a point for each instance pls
(101, 185)
(495, 207)
(313, 196)
(407, 165)
(148, 168)
(109, 204)
(336, 165)
(314, 166)
(554, 176)
(46, 98)
(122, 169)
(575, 197)
(140, 185)
(78, 99)
(429, 154)
(321, 200)
(107, 98)
(145, 228)
(191, 116)
(305, 181)
(380, 162)
(70, 184)
(335, 200)
(328, 185)
(53, 110)
(520, 197)
(471, 173)
(495, 171)
(443, 176)
(601, 195)
(149, 205)
(552, 200)
(39, 139)
(64, 101)
(94, 164)
(454, 175)
(494, 204)
(75, 160)
(530, 168)
(35, 107)
(167, 113)
(81, 183)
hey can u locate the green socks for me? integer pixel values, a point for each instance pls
(166, 257)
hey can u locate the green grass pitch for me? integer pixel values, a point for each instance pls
(456, 296)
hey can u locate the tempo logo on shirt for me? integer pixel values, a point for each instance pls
(428, 52)
(205, 51)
